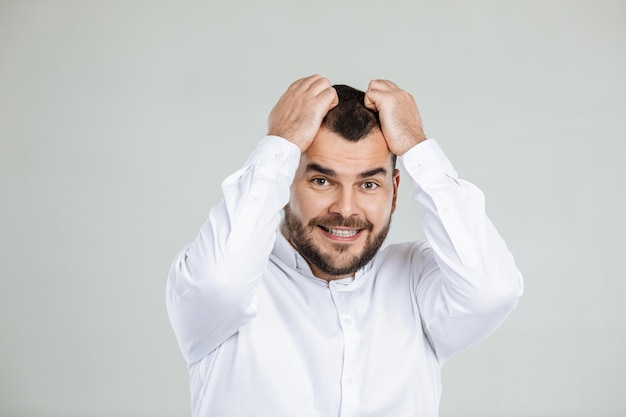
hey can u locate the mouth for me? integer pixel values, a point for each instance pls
(341, 233)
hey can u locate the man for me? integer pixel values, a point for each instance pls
(304, 316)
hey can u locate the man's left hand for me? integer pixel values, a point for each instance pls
(400, 120)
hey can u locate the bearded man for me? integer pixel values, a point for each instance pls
(285, 304)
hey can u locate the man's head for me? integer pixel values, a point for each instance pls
(350, 118)
(344, 190)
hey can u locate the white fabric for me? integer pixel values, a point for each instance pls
(263, 337)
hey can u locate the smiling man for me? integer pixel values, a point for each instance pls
(303, 314)
(342, 197)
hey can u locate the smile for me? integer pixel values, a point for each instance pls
(342, 232)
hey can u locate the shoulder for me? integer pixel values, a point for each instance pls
(395, 250)
(403, 255)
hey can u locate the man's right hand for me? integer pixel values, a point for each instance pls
(298, 114)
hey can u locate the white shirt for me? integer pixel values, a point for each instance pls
(264, 337)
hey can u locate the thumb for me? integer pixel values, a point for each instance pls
(370, 102)
(329, 96)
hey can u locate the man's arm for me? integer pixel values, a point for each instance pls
(468, 280)
(212, 283)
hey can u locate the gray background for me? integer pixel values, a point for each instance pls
(119, 120)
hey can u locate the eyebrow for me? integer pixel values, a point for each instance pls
(373, 172)
(331, 172)
(321, 170)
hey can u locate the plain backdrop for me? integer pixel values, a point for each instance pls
(120, 119)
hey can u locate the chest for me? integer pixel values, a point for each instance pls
(332, 350)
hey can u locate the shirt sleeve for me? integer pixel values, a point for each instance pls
(468, 282)
(211, 285)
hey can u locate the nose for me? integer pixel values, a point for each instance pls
(345, 203)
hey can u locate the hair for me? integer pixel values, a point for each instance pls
(350, 118)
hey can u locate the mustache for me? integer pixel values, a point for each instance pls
(340, 221)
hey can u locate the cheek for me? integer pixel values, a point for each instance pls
(379, 211)
(380, 216)
(304, 204)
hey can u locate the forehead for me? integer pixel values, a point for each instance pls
(332, 151)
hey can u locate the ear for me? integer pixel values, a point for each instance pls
(396, 184)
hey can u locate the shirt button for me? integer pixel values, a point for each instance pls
(348, 381)
(347, 321)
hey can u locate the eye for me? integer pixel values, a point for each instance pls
(320, 182)
(369, 185)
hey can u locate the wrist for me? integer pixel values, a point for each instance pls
(411, 142)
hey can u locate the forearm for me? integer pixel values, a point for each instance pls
(211, 285)
(472, 282)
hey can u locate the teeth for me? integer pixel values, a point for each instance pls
(342, 232)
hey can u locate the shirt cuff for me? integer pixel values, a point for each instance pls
(426, 162)
(277, 155)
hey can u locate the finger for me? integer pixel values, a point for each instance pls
(382, 85)
(318, 85)
(369, 102)
(335, 101)
(304, 83)
(377, 93)
(329, 96)
(374, 99)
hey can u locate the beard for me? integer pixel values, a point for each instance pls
(340, 263)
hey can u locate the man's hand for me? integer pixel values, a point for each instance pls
(400, 120)
(299, 112)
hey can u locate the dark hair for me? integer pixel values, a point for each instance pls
(350, 118)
